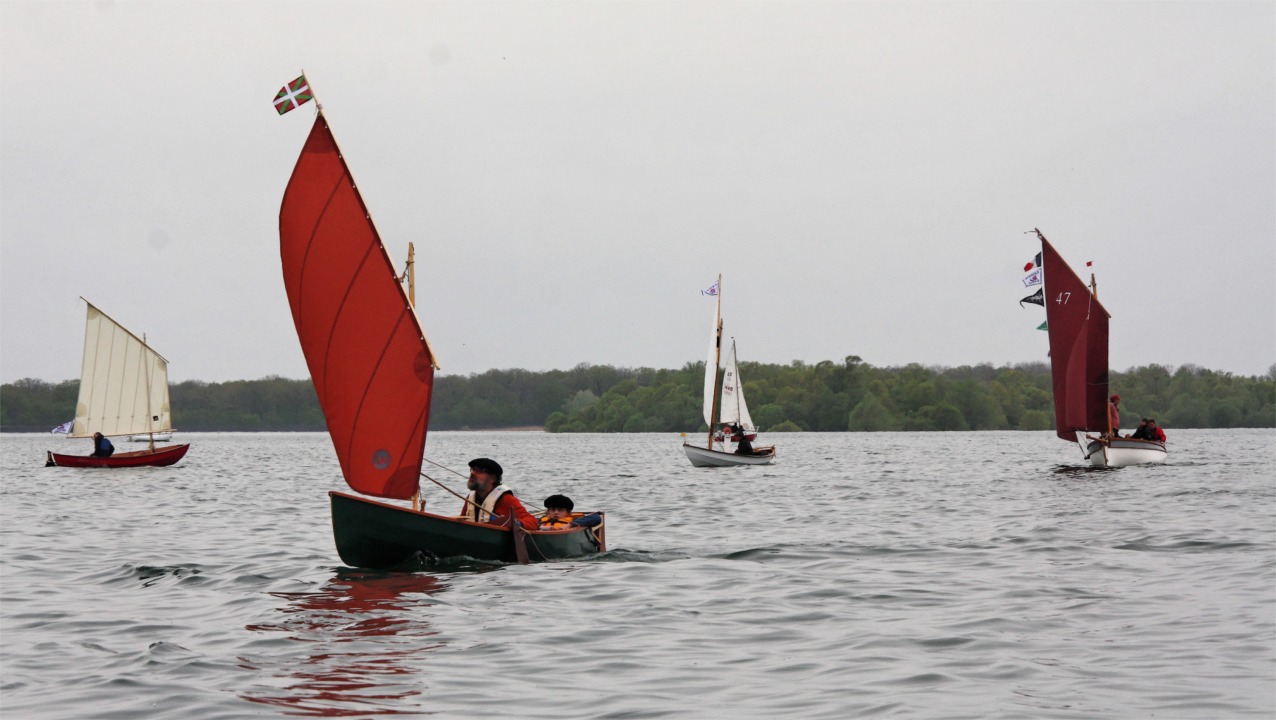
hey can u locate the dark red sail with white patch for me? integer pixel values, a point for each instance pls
(368, 357)
(1078, 328)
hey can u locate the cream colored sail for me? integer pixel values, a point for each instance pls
(123, 382)
(734, 409)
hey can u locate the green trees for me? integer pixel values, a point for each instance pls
(827, 396)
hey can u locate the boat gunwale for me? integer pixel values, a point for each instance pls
(460, 520)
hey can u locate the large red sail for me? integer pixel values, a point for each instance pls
(1078, 327)
(368, 357)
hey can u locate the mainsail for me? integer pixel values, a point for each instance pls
(368, 357)
(734, 409)
(123, 382)
(1078, 327)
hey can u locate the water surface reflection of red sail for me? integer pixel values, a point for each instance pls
(368, 357)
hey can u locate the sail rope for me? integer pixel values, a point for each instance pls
(538, 508)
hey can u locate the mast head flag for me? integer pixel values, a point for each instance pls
(293, 95)
(712, 291)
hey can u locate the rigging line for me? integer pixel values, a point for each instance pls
(465, 498)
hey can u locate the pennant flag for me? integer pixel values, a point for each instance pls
(1038, 297)
(1042, 326)
(1033, 278)
(63, 429)
(1036, 262)
(1089, 263)
(293, 95)
(712, 291)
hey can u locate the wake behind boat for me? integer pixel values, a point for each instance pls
(1078, 328)
(373, 371)
(733, 412)
(123, 391)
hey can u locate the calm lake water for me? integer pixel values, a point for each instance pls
(962, 575)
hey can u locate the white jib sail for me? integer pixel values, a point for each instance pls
(123, 382)
(711, 367)
(734, 409)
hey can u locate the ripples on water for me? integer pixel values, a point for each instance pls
(966, 575)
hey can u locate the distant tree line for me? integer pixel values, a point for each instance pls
(827, 396)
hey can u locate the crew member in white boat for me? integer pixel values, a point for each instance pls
(1114, 414)
(490, 503)
(741, 438)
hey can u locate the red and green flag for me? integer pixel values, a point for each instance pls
(293, 95)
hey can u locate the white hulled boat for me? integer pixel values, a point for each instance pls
(733, 410)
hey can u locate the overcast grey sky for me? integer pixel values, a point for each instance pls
(573, 174)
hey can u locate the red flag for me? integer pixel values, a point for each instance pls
(1027, 267)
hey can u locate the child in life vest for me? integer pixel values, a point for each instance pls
(559, 516)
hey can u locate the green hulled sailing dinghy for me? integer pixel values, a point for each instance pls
(373, 371)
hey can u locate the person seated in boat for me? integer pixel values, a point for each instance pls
(1155, 432)
(490, 503)
(101, 446)
(1141, 432)
(743, 446)
(1114, 414)
(559, 515)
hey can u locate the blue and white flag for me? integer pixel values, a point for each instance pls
(712, 291)
(1032, 278)
(63, 429)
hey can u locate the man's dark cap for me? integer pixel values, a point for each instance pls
(487, 465)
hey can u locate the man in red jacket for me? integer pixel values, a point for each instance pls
(490, 503)
(1154, 431)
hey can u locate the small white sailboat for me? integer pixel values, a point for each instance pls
(733, 410)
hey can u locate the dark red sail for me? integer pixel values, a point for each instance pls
(1078, 327)
(368, 357)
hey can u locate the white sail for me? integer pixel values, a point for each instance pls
(123, 382)
(734, 409)
(711, 364)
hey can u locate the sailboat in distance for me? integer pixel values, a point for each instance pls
(1078, 327)
(123, 391)
(733, 411)
(373, 371)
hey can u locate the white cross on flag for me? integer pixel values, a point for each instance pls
(293, 95)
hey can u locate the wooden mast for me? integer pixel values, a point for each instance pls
(409, 276)
(717, 361)
(150, 429)
(1107, 411)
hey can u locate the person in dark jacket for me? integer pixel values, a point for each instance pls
(101, 446)
(1141, 432)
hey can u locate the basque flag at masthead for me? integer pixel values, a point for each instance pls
(293, 95)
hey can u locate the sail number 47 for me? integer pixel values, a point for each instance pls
(1063, 298)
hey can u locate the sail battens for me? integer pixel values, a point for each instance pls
(372, 371)
(123, 382)
(1078, 348)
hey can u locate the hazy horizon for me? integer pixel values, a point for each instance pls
(573, 174)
